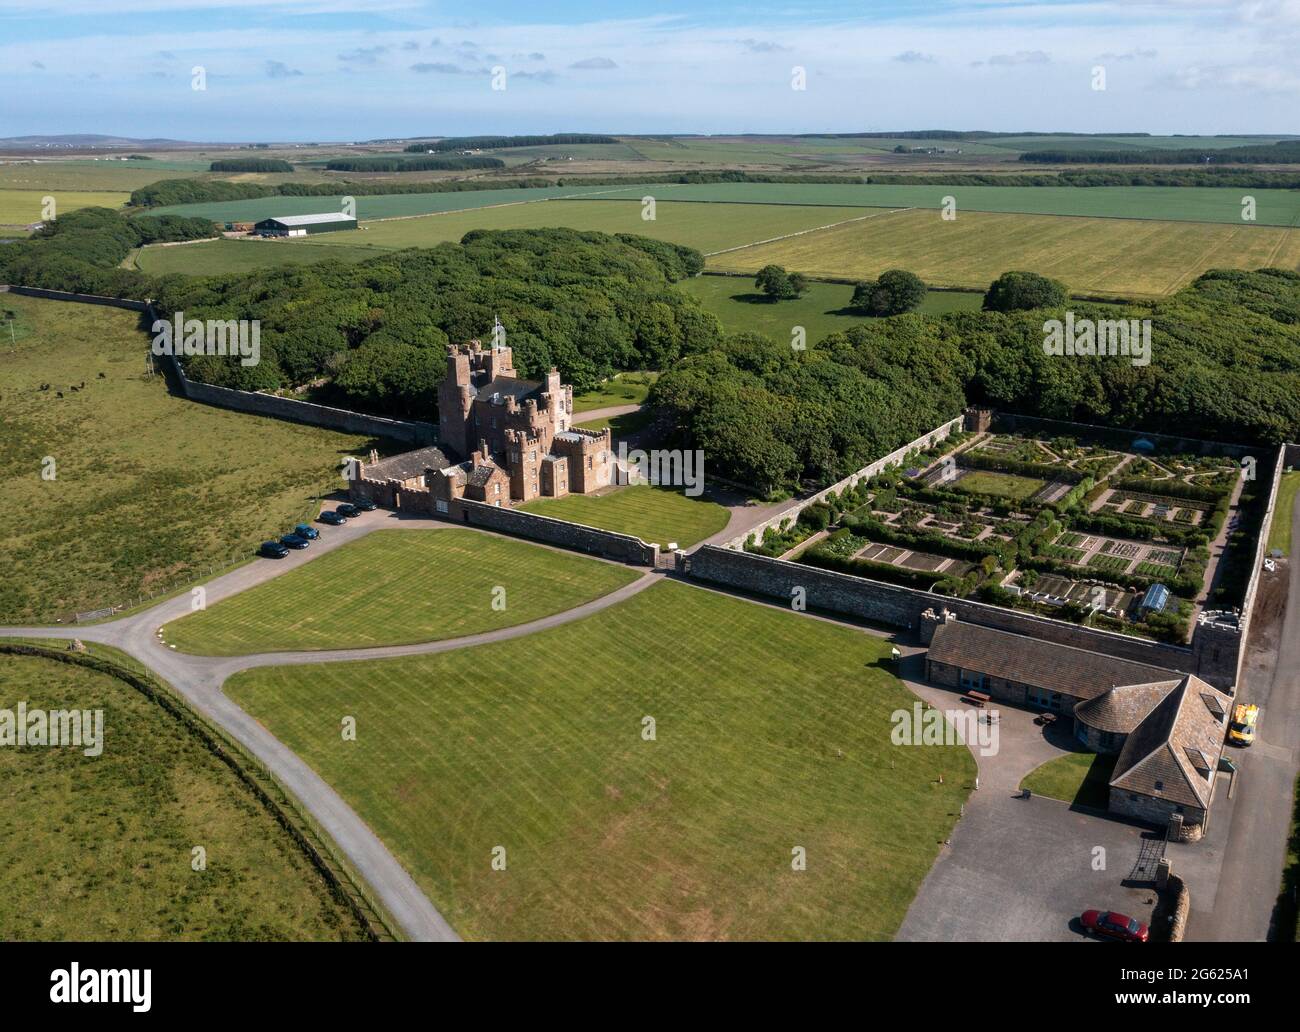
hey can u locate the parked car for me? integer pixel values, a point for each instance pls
(347, 509)
(333, 518)
(294, 541)
(272, 550)
(1114, 926)
(303, 530)
(1241, 729)
(364, 505)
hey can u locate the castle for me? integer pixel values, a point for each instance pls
(503, 440)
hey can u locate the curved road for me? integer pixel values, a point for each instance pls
(200, 678)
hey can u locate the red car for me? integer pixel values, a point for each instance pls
(1114, 926)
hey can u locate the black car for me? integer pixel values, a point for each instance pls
(294, 541)
(333, 518)
(364, 505)
(347, 509)
(272, 550)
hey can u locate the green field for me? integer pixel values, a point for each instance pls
(1005, 485)
(621, 389)
(1279, 532)
(149, 489)
(1163, 203)
(821, 311)
(772, 731)
(22, 207)
(394, 587)
(100, 848)
(1092, 256)
(1080, 778)
(372, 206)
(655, 515)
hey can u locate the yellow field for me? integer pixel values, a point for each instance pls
(1091, 256)
(709, 227)
(21, 207)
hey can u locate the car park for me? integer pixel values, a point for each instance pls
(334, 519)
(1113, 925)
(294, 541)
(303, 530)
(272, 550)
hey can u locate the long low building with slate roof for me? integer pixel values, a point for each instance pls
(1165, 728)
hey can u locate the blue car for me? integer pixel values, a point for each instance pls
(333, 518)
(303, 530)
(294, 541)
(272, 550)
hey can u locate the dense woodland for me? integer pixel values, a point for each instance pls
(1225, 350)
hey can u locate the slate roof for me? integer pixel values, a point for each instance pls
(408, 465)
(1041, 664)
(1122, 709)
(1169, 754)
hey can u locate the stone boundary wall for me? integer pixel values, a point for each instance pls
(926, 440)
(255, 402)
(898, 606)
(604, 543)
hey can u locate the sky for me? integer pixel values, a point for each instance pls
(351, 70)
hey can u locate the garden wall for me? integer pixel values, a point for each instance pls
(898, 606)
(927, 440)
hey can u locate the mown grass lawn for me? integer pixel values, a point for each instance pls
(1081, 778)
(1279, 533)
(771, 733)
(393, 587)
(148, 489)
(653, 514)
(1007, 485)
(100, 848)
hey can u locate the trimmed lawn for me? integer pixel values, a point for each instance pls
(772, 731)
(150, 490)
(396, 587)
(655, 515)
(99, 848)
(1081, 778)
(1279, 533)
(821, 311)
(1008, 485)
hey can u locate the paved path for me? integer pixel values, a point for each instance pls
(200, 678)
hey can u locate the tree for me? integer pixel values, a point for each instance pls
(895, 292)
(778, 284)
(1017, 291)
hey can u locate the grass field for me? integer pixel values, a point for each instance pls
(149, 489)
(1081, 778)
(394, 587)
(821, 311)
(1006, 485)
(100, 848)
(622, 389)
(1098, 256)
(22, 207)
(1279, 533)
(653, 514)
(772, 731)
(1163, 203)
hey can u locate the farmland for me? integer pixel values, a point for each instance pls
(21, 207)
(1103, 256)
(608, 835)
(148, 489)
(1193, 204)
(100, 848)
(376, 592)
(821, 311)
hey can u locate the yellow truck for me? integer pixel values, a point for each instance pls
(1241, 730)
